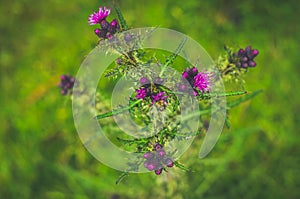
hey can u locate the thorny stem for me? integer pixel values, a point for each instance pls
(118, 111)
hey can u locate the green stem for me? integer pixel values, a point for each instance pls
(226, 94)
(243, 99)
(118, 111)
(121, 177)
(173, 57)
(181, 166)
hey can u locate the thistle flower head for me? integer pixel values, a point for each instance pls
(200, 81)
(157, 146)
(169, 162)
(189, 73)
(144, 80)
(150, 166)
(97, 17)
(157, 160)
(159, 97)
(203, 81)
(115, 24)
(158, 171)
(66, 84)
(148, 155)
(244, 58)
(141, 93)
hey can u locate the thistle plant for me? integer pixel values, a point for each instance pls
(66, 84)
(159, 95)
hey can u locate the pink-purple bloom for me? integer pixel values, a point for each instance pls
(169, 162)
(141, 93)
(66, 84)
(158, 171)
(185, 74)
(158, 97)
(203, 81)
(244, 58)
(199, 81)
(97, 17)
(114, 23)
(157, 160)
(144, 80)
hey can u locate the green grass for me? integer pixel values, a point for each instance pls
(41, 154)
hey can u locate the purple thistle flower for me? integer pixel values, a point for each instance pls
(141, 93)
(245, 65)
(104, 24)
(169, 162)
(148, 155)
(157, 146)
(158, 171)
(254, 52)
(97, 31)
(144, 80)
(203, 81)
(252, 63)
(66, 84)
(244, 58)
(160, 154)
(189, 74)
(241, 52)
(185, 74)
(158, 97)
(200, 81)
(194, 70)
(151, 167)
(64, 91)
(100, 33)
(114, 23)
(114, 26)
(110, 36)
(182, 87)
(97, 17)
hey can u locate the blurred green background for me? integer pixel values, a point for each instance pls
(41, 155)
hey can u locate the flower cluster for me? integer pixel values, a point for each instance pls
(141, 93)
(159, 97)
(66, 84)
(107, 29)
(244, 58)
(200, 81)
(156, 160)
(145, 91)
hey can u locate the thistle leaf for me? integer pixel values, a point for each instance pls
(121, 18)
(121, 177)
(227, 122)
(215, 94)
(235, 103)
(172, 58)
(181, 166)
(118, 111)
